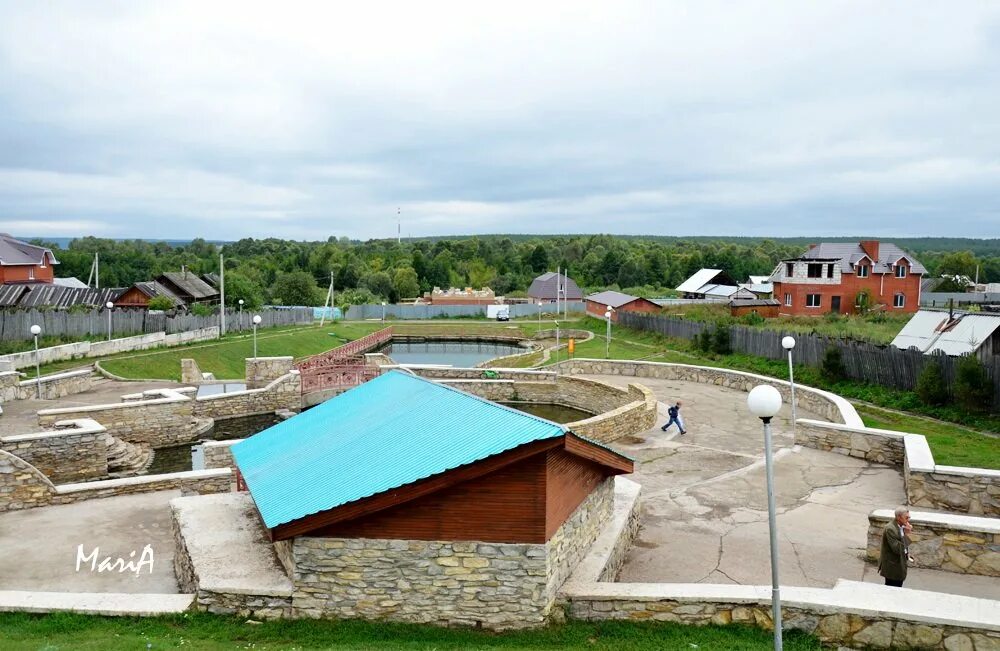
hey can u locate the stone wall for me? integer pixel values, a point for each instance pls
(102, 348)
(262, 371)
(219, 454)
(823, 403)
(190, 372)
(155, 421)
(75, 450)
(467, 583)
(452, 373)
(53, 387)
(875, 445)
(191, 482)
(975, 491)
(952, 543)
(22, 486)
(285, 392)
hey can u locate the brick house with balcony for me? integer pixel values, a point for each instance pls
(21, 262)
(829, 278)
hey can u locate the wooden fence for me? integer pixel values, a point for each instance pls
(15, 326)
(883, 365)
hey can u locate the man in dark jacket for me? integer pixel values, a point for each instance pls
(675, 417)
(895, 553)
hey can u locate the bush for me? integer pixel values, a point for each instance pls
(973, 389)
(201, 309)
(720, 340)
(832, 368)
(931, 386)
(704, 340)
(752, 319)
(160, 303)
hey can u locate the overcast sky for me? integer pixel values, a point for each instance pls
(228, 120)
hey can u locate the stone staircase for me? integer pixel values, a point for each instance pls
(127, 459)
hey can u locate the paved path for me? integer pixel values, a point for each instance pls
(705, 502)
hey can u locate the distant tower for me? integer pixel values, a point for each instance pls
(399, 227)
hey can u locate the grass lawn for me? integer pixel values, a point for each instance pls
(952, 445)
(24, 632)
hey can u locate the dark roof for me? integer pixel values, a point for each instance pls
(850, 253)
(753, 302)
(612, 298)
(11, 294)
(383, 435)
(546, 286)
(47, 295)
(14, 252)
(211, 279)
(187, 285)
(151, 288)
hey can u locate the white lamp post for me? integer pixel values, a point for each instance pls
(764, 402)
(240, 318)
(110, 306)
(607, 342)
(788, 343)
(256, 322)
(383, 314)
(35, 331)
(557, 345)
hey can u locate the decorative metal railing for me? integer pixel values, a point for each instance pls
(343, 376)
(343, 367)
(349, 350)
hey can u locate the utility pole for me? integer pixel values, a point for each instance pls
(222, 294)
(97, 269)
(399, 227)
(326, 301)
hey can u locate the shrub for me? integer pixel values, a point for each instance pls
(720, 340)
(931, 386)
(704, 340)
(973, 389)
(752, 319)
(832, 368)
(161, 303)
(863, 301)
(200, 309)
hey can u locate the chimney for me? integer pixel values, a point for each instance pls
(812, 246)
(871, 248)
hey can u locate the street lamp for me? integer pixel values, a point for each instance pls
(788, 343)
(35, 331)
(256, 322)
(383, 314)
(764, 402)
(110, 306)
(557, 346)
(607, 339)
(240, 318)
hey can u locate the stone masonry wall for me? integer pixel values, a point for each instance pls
(22, 486)
(73, 451)
(53, 387)
(262, 371)
(155, 422)
(495, 585)
(190, 372)
(827, 405)
(191, 482)
(283, 393)
(940, 542)
(974, 491)
(875, 445)
(219, 454)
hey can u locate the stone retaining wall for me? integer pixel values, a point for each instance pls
(154, 421)
(285, 392)
(453, 373)
(75, 450)
(952, 543)
(875, 445)
(494, 585)
(262, 371)
(191, 482)
(22, 486)
(53, 387)
(827, 405)
(219, 454)
(191, 372)
(975, 491)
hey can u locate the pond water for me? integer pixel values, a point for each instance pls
(177, 458)
(556, 413)
(216, 389)
(462, 354)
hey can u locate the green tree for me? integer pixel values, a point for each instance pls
(161, 303)
(406, 283)
(973, 389)
(832, 368)
(539, 259)
(931, 386)
(958, 263)
(380, 284)
(720, 339)
(239, 287)
(296, 288)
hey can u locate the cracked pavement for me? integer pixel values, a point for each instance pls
(704, 499)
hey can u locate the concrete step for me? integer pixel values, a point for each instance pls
(127, 459)
(94, 603)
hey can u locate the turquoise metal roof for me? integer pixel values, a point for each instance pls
(389, 432)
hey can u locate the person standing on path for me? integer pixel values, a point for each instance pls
(675, 417)
(895, 553)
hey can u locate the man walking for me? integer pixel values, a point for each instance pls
(895, 553)
(675, 417)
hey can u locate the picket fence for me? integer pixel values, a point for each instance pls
(883, 365)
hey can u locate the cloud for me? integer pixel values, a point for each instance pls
(233, 119)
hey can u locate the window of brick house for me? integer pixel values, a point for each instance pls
(829, 271)
(899, 300)
(31, 273)
(789, 269)
(788, 300)
(863, 271)
(814, 271)
(812, 300)
(900, 271)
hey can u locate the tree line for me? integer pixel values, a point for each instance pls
(290, 272)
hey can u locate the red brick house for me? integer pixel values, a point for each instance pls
(597, 304)
(829, 278)
(21, 262)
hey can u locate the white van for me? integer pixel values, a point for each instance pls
(498, 312)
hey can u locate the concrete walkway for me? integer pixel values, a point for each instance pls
(705, 502)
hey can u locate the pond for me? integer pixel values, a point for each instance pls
(177, 458)
(461, 354)
(549, 411)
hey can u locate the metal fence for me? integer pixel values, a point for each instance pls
(883, 365)
(397, 311)
(15, 326)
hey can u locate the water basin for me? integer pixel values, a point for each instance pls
(223, 387)
(461, 354)
(178, 458)
(550, 411)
